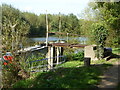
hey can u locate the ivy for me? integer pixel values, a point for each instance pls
(99, 36)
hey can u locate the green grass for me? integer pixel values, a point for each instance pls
(71, 64)
(68, 76)
(82, 77)
(116, 50)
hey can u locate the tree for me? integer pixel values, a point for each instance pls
(14, 29)
(109, 12)
(70, 24)
(34, 22)
(99, 35)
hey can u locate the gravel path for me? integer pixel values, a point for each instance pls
(111, 77)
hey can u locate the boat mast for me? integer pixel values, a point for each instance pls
(46, 29)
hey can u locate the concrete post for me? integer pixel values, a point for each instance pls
(90, 52)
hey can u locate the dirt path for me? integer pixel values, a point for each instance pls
(111, 77)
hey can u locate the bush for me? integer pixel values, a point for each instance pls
(78, 56)
(75, 56)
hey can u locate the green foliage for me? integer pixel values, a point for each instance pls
(74, 56)
(69, 23)
(100, 33)
(71, 64)
(37, 24)
(35, 57)
(109, 12)
(14, 27)
(72, 74)
(65, 77)
(10, 75)
(99, 36)
(22, 84)
(78, 56)
(86, 27)
(73, 40)
(116, 50)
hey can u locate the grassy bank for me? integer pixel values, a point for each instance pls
(71, 74)
(68, 76)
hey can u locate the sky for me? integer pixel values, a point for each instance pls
(52, 6)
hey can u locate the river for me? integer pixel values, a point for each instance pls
(82, 40)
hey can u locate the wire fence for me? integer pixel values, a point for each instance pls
(44, 59)
(44, 67)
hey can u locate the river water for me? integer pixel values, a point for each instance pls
(82, 40)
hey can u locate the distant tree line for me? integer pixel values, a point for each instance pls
(107, 13)
(63, 23)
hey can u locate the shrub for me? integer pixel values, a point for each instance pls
(75, 56)
(78, 56)
(100, 34)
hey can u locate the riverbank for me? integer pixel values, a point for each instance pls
(73, 74)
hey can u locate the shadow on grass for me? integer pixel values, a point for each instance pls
(113, 56)
(78, 77)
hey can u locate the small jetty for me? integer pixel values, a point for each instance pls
(42, 46)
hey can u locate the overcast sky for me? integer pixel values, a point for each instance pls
(52, 6)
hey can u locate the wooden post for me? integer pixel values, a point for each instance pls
(52, 55)
(49, 56)
(46, 30)
(58, 53)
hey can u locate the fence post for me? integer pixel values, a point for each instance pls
(52, 56)
(49, 57)
(58, 53)
(61, 52)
